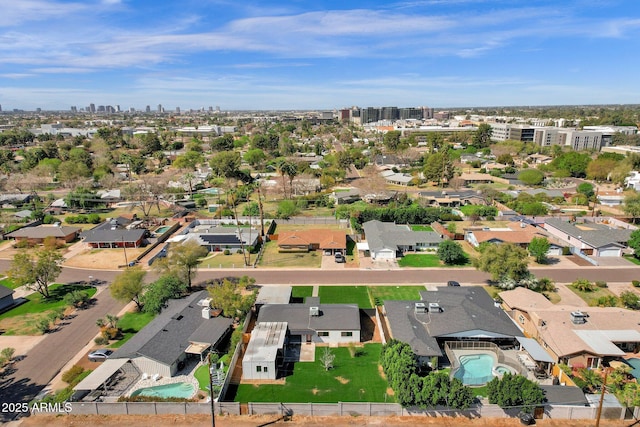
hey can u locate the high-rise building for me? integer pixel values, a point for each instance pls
(74, 109)
(118, 108)
(159, 108)
(92, 108)
(389, 113)
(178, 110)
(148, 109)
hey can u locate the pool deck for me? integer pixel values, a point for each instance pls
(187, 376)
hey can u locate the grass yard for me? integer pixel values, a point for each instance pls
(8, 283)
(345, 295)
(591, 297)
(395, 293)
(301, 292)
(22, 320)
(428, 260)
(273, 258)
(220, 260)
(632, 258)
(421, 228)
(130, 324)
(202, 373)
(353, 379)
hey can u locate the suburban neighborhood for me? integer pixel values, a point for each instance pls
(324, 263)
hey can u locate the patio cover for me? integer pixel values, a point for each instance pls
(535, 350)
(197, 348)
(362, 246)
(101, 374)
(601, 341)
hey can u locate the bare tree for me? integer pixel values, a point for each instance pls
(147, 191)
(327, 359)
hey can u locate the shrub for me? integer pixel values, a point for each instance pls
(583, 285)
(607, 301)
(226, 252)
(43, 325)
(630, 300)
(77, 298)
(101, 340)
(70, 375)
(239, 251)
(635, 283)
(601, 283)
(566, 250)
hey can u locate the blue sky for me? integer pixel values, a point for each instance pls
(317, 55)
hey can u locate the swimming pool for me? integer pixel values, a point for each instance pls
(475, 369)
(163, 229)
(210, 191)
(180, 390)
(635, 363)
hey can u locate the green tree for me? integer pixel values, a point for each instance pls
(573, 162)
(634, 242)
(223, 143)
(228, 296)
(632, 205)
(226, 164)
(503, 261)
(391, 140)
(538, 248)
(286, 209)
(586, 189)
(159, 292)
(482, 136)
(531, 176)
(129, 286)
(36, 272)
(255, 157)
(630, 300)
(182, 261)
(450, 252)
(251, 209)
(514, 390)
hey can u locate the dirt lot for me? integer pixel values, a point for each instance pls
(253, 421)
(103, 258)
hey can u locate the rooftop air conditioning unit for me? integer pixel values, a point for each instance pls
(578, 318)
(434, 307)
(206, 313)
(204, 302)
(420, 307)
(314, 311)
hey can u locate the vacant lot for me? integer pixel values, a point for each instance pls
(352, 379)
(103, 258)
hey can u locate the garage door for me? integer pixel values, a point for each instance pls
(609, 252)
(554, 251)
(385, 254)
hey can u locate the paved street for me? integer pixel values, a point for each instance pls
(46, 358)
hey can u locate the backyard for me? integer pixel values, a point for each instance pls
(23, 320)
(352, 379)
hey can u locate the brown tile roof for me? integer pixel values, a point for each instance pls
(516, 234)
(326, 239)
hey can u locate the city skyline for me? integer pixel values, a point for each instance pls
(328, 55)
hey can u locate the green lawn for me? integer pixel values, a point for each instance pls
(427, 260)
(395, 293)
(220, 260)
(37, 304)
(421, 228)
(130, 324)
(630, 258)
(591, 297)
(353, 379)
(8, 283)
(345, 295)
(202, 373)
(301, 291)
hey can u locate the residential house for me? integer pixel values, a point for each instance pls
(110, 196)
(346, 197)
(264, 354)
(389, 161)
(465, 313)
(452, 198)
(386, 240)
(538, 159)
(11, 201)
(633, 180)
(118, 232)
(472, 178)
(25, 214)
(184, 329)
(518, 233)
(396, 178)
(36, 235)
(6, 298)
(218, 238)
(611, 198)
(571, 335)
(309, 240)
(315, 322)
(591, 239)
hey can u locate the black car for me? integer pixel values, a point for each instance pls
(526, 418)
(452, 283)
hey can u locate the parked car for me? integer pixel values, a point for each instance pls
(100, 355)
(452, 283)
(339, 257)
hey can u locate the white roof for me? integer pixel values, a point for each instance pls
(535, 350)
(266, 339)
(270, 294)
(602, 341)
(362, 246)
(101, 374)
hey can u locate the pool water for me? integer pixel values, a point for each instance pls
(635, 363)
(180, 390)
(163, 229)
(210, 191)
(475, 369)
(502, 370)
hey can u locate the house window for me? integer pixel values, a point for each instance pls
(265, 369)
(258, 368)
(347, 334)
(323, 334)
(521, 319)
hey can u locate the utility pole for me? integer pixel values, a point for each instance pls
(213, 408)
(604, 389)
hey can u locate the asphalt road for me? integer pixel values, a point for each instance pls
(46, 359)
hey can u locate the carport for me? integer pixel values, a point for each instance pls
(101, 375)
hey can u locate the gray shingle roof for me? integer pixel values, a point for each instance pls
(387, 235)
(169, 334)
(5, 291)
(334, 317)
(465, 309)
(42, 231)
(597, 236)
(113, 236)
